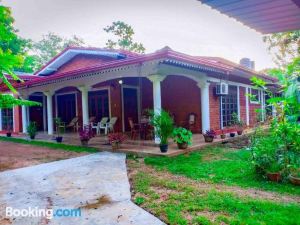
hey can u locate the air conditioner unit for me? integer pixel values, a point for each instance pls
(222, 89)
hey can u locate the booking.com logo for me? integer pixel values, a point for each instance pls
(47, 213)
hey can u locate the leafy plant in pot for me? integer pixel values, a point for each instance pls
(59, 129)
(239, 124)
(115, 139)
(223, 135)
(32, 130)
(294, 176)
(183, 137)
(163, 127)
(209, 135)
(273, 172)
(86, 134)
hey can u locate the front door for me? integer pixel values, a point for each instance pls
(36, 112)
(130, 106)
(66, 107)
(98, 104)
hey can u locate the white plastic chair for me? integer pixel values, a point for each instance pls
(111, 124)
(102, 125)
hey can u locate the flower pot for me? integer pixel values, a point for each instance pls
(295, 180)
(32, 137)
(182, 145)
(232, 134)
(84, 143)
(163, 148)
(115, 145)
(223, 136)
(208, 138)
(275, 177)
(8, 134)
(59, 139)
(240, 132)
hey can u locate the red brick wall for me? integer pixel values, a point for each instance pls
(17, 119)
(181, 96)
(253, 115)
(214, 108)
(243, 116)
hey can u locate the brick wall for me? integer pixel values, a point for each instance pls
(214, 108)
(243, 115)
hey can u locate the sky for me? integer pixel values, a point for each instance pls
(184, 25)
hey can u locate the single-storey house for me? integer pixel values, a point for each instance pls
(93, 82)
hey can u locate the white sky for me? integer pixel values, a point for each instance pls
(184, 25)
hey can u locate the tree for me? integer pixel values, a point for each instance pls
(284, 46)
(12, 54)
(124, 34)
(50, 45)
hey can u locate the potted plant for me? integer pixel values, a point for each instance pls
(182, 137)
(163, 127)
(115, 139)
(32, 130)
(85, 135)
(59, 130)
(294, 176)
(223, 135)
(209, 135)
(239, 124)
(273, 172)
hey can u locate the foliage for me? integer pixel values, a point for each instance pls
(86, 133)
(163, 125)
(32, 129)
(124, 34)
(12, 54)
(182, 135)
(210, 133)
(236, 121)
(284, 46)
(220, 165)
(50, 45)
(116, 137)
(181, 203)
(56, 146)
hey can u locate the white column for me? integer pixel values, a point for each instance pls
(247, 107)
(24, 119)
(85, 105)
(44, 114)
(262, 102)
(156, 80)
(0, 119)
(204, 86)
(239, 102)
(49, 112)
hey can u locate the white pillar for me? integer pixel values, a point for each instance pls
(247, 107)
(239, 102)
(204, 86)
(24, 119)
(0, 119)
(262, 102)
(156, 80)
(49, 112)
(85, 105)
(44, 113)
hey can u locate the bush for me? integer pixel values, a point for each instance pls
(32, 129)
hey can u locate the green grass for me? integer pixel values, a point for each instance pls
(219, 165)
(58, 146)
(188, 205)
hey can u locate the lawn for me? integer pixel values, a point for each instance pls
(220, 165)
(214, 186)
(52, 145)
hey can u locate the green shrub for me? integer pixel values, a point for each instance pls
(182, 135)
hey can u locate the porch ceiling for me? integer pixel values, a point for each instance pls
(265, 16)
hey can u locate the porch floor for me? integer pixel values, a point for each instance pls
(138, 147)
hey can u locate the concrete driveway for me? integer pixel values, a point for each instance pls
(96, 184)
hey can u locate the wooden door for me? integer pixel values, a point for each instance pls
(130, 106)
(66, 107)
(36, 112)
(99, 104)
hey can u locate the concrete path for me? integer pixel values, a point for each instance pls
(97, 184)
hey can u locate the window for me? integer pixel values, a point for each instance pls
(7, 119)
(255, 96)
(229, 105)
